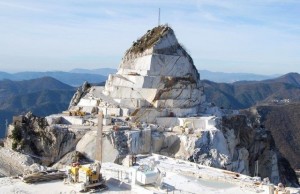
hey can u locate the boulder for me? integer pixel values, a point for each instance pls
(87, 147)
(211, 149)
(45, 143)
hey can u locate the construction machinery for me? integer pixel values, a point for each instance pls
(77, 112)
(89, 175)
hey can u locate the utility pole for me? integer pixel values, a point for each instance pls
(158, 16)
(98, 154)
(256, 150)
(6, 127)
(256, 168)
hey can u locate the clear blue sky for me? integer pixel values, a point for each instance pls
(256, 36)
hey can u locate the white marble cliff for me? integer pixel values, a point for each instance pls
(156, 78)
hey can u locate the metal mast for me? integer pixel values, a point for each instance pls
(98, 154)
(158, 16)
(6, 127)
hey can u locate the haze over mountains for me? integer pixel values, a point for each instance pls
(100, 71)
(76, 77)
(232, 77)
(73, 79)
(46, 95)
(42, 96)
(284, 124)
(240, 95)
(277, 101)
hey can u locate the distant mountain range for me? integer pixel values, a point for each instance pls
(276, 100)
(284, 124)
(244, 94)
(100, 71)
(76, 77)
(70, 78)
(222, 77)
(42, 96)
(47, 95)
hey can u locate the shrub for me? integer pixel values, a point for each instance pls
(14, 145)
(17, 134)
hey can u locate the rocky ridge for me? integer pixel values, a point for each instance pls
(45, 143)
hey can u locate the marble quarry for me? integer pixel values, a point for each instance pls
(155, 103)
(156, 78)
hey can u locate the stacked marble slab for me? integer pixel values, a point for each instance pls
(156, 78)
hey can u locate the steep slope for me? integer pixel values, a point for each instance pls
(254, 142)
(282, 119)
(42, 96)
(4, 75)
(241, 95)
(157, 89)
(20, 87)
(289, 78)
(33, 135)
(41, 102)
(283, 122)
(156, 78)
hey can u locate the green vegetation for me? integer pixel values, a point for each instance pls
(172, 81)
(42, 96)
(284, 124)
(16, 136)
(281, 119)
(242, 95)
(149, 39)
(14, 145)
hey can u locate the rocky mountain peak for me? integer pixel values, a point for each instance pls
(158, 48)
(156, 74)
(158, 53)
(152, 38)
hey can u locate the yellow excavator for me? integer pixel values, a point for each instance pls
(89, 175)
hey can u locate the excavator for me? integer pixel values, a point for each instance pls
(77, 112)
(89, 175)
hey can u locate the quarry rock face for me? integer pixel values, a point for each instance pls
(156, 104)
(33, 136)
(156, 78)
(211, 149)
(13, 163)
(254, 151)
(79, 93)
(157, 83)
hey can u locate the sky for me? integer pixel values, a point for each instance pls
(249, 36)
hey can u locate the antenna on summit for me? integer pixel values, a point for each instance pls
(158, 16)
